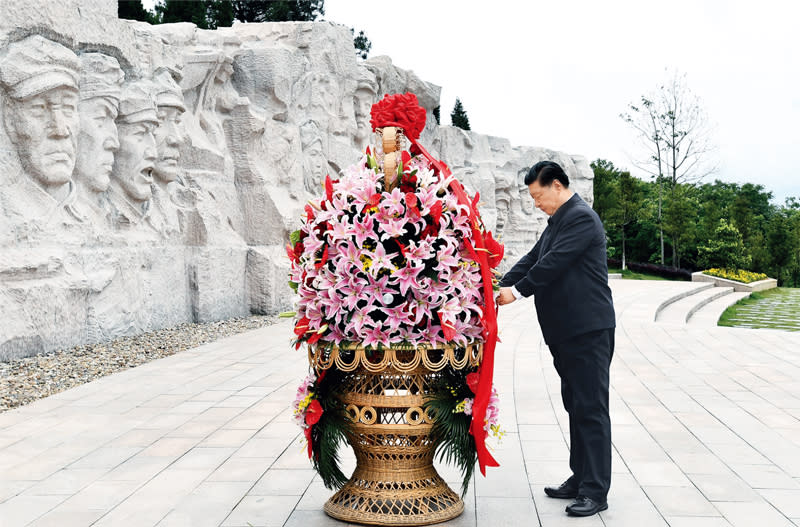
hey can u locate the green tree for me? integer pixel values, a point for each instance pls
(211, 14)
(645, 119)
(680, 219)
(134, 10)
(783, 246)
(278, 10)
(219, 13)
(673, 126)
(725, 249)
(606, 178)
(171, 11)
(628, 206)
(458, 117)
(361, 43)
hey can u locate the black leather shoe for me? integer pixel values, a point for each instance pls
(583, 506)
(564, 491)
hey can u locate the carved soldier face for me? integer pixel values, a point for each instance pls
(168, 137)
(362, 104)
(44, 129)
(316, 160)
(134, 163)
(97, 142)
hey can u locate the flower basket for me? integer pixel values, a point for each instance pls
(393, 269)
(395, 482)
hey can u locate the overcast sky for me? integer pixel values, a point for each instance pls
(557, 74)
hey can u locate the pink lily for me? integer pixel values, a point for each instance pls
(363, 228)
(406, 277)
(380, 260)
(393, 228)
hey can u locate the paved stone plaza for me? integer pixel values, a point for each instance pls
(706, 429)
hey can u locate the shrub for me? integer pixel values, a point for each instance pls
(737, 275)
(663, 271)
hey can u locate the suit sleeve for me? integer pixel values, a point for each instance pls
(572, 240)
(521, 268)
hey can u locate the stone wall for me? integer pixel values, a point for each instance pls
(150, 175)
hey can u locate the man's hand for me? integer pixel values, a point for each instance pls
(505, 296)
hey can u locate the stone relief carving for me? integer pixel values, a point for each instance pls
(315, 164)
(150, 175)
(169, 190)
(365, 96)
(132, 175)
(98, 140)
(40, 117)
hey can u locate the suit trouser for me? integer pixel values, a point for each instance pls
(583, 362)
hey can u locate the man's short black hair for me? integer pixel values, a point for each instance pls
(545, 172)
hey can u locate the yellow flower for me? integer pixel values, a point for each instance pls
(738, 275)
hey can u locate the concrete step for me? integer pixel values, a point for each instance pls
(708, 315)
(688, 289)
(680, 311)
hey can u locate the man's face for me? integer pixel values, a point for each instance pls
(97, 142)
(545, 198)
(134, 163)
(168, 137)
(45, 132)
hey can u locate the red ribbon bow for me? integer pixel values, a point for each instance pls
(400, 110)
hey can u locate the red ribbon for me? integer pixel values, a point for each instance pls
(404, 112)
(486, 369)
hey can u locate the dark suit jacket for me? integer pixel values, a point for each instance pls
(567, 273)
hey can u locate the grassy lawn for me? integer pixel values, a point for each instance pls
(777, 308)
(627, 274)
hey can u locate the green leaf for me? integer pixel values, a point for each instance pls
(294, 237)
(293, 285)
(288, 314)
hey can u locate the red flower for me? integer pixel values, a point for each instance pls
(436, 212)
(495, 250)
(291, 253)
(372, 203)
(402, 247)
(314, 338)
(313, 412)
(309, 213)
(402, 110)
(322, 260)
(405, 157)
(329, 187)
(472, 381)
(448, 330)
(411, 200)
(301, 327)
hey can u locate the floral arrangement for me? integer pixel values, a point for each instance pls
(388, 259)
(307, 408)
(737, 275)
(492, 421)
(381, 267)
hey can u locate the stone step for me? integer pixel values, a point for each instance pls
(689, 289)
(709, 314)
(681, 310)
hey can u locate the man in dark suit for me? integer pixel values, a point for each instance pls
(566, 271)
